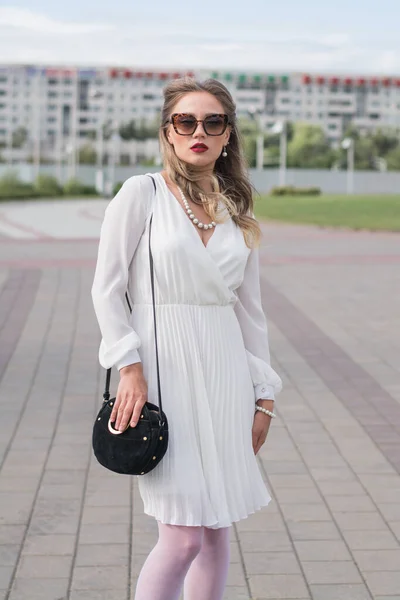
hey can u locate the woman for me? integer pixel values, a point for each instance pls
(212, 336)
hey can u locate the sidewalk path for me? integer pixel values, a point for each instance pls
(331, 460)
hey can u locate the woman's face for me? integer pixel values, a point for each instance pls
(198, 149)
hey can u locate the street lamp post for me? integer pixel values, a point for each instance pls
(96, 94)
(348, 144)
(114, 156)
(37, 122)
(280, 127)
(255, 115)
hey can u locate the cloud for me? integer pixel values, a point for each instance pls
(27, 36)
(25, 19)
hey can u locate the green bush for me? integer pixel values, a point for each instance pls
(47, 185)
(74, 187)
(117, 187)
(289, 190)
(11, 187)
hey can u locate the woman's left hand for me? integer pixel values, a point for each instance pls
(261, 424)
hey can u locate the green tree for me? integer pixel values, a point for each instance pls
(87, 155)
(142, 130)
(384, 142)
(393, 159)
(128, 131)
(19, 137)
(309, 148)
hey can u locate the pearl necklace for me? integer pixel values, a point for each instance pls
(192, 216)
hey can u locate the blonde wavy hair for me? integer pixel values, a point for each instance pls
(229, 181)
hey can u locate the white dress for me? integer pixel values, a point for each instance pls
(213, 350)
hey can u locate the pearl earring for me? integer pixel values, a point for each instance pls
(224, 154)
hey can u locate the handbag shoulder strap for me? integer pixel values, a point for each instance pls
(106, 394)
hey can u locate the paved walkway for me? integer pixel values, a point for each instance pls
(331, 461)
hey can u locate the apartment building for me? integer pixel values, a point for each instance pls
(57, 105)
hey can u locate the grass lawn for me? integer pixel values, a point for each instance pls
(355, 212)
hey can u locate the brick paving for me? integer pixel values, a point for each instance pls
(71, 530)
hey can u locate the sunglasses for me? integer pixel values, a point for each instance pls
(186, 124)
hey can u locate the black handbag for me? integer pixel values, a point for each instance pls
(139, 449)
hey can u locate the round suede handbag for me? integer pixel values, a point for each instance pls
(137, 450)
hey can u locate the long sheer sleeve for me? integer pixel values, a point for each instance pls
(123, 224)
(253, 323)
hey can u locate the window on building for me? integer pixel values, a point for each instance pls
(332, 126)
(52, 94)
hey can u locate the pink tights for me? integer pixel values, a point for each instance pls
(196, 557)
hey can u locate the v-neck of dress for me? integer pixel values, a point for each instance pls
(192, 225)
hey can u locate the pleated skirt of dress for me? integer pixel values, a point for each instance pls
(209, 475)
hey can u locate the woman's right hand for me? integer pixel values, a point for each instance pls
(131, 397)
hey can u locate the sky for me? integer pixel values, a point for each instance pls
(355, 36)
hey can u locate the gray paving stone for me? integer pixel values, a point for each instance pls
(263, 563)
(278, 586)
(5, 576)
(366, 521)
(305, 512)
(331, 572)
(260, 542)
(350, 503)
(321, 445)
(100, 578)
(298, 496)
(383, 582)
(39, 589)
(96, 595)
(40, 567)
(390, 511)
(106, 534)
(378, 560)
(340, 592)
(9, 555)
(102, 515)
(96, 555)
(236, 593)
(371, 540)
(56, 545)
(236, 576)
(310, 530)
(262, 522)
(316, 550)
(15, 507)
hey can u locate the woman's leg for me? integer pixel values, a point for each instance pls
(163, 573)
(206, 578)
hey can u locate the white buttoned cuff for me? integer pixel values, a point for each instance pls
(130, 358)
(264, 391)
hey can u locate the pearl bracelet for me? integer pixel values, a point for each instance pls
(265, 411)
